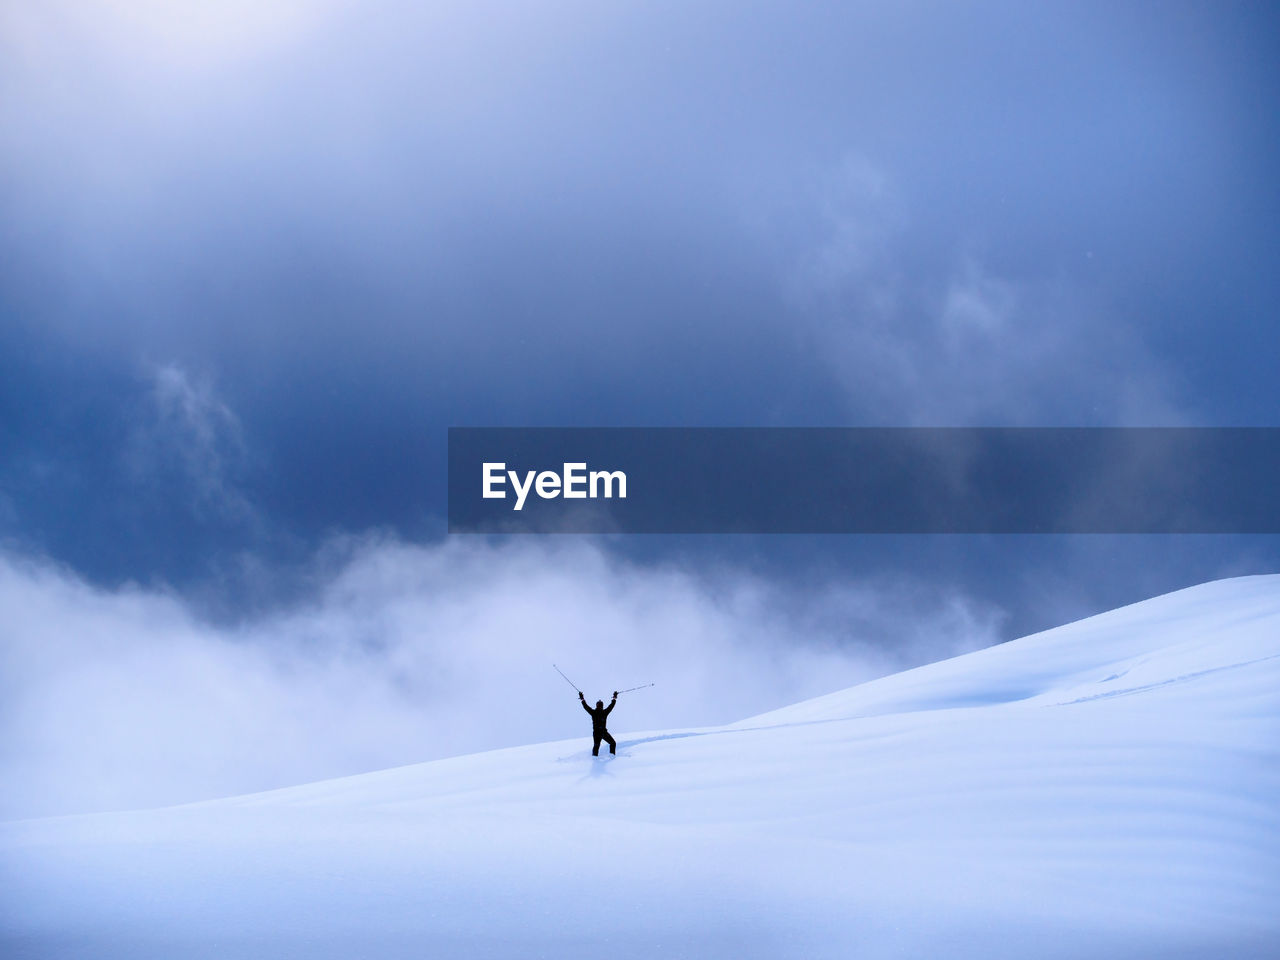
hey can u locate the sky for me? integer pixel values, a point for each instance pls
(255, 259)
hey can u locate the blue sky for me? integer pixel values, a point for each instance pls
(254, 262)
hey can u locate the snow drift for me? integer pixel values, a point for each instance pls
(1106, 788)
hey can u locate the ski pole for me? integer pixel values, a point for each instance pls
(566, 679)
(629, 689)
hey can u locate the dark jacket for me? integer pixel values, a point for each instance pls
(598, 715)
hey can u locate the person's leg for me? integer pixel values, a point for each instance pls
(613, 744)
(595, 747)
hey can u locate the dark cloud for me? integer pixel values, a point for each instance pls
(344, 227)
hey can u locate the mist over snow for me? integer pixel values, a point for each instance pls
(127, 697)
(1105, 788)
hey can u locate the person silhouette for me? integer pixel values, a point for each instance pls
(598, 715)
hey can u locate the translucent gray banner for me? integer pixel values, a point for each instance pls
(864, 480)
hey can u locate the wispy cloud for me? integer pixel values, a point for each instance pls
(404, 653)
(187, 435)
(919, 335)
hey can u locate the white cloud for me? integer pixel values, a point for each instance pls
(126, 698)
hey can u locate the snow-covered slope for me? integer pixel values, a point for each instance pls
(1107, 788)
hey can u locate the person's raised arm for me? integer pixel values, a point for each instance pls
(611, 703)
(583, 701)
